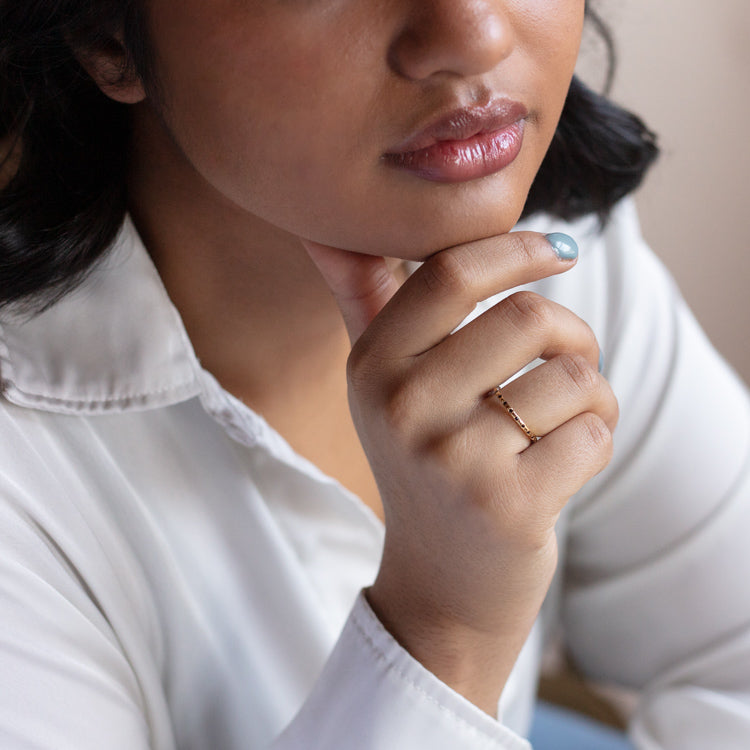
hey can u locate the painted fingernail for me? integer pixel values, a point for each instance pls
(601, 360)
(564, 245)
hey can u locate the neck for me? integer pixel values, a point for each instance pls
(258, 314)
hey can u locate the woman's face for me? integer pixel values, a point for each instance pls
(395, 127)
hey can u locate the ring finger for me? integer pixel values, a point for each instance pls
(551, 394)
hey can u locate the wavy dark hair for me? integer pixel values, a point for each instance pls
(64, 145)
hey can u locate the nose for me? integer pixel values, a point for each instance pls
(459, 37)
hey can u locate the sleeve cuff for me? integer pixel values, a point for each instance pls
(373, 695)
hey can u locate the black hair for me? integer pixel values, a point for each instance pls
(66, 199)
(600, 152)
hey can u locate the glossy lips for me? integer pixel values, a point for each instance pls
(465, 145)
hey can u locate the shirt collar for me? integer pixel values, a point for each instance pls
(116, 343)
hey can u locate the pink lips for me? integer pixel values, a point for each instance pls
(464, 145)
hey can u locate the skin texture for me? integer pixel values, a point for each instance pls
(260, 108)
(265, 162)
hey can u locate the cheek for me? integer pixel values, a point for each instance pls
(550, 35)
(552, 31)
(245, 106)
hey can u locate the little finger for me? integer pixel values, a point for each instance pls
(568, 457)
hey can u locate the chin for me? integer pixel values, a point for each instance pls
(419, 238)
(412, 225)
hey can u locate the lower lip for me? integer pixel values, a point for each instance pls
(461, 161)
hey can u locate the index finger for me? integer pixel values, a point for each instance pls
(445, 289)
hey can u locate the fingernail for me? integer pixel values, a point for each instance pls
(564, 245)
(601, 360)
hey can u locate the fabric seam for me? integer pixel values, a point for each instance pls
(381, 656)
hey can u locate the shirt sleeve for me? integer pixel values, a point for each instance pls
(656, 594)
(80, 665)
(373, 695)
(65, 682)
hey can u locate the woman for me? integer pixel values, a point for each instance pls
(189, 508)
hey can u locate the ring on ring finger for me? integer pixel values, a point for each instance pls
(497, 392)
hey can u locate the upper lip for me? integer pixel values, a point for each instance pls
(462, 123)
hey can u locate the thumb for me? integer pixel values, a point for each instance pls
(361, 284)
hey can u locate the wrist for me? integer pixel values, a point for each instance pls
(475, 663)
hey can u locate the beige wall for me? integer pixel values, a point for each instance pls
(685, 67)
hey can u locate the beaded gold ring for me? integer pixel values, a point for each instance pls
(513, 413)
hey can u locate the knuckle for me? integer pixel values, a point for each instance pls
(523, 248)
(591, 340)
(357, 366)
(597, 435)
(399, 407)
(529, 310)
(579, 371)
(365, 371)
(448, 449)
(449, 271)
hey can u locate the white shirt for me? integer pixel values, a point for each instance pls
(173, 575)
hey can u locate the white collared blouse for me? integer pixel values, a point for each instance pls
(174, 576)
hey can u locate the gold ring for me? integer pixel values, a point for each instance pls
(512, 412)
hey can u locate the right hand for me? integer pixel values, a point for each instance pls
(470, 504)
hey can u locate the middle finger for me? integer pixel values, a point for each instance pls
(500, 343)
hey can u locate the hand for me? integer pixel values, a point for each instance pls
(470, 503)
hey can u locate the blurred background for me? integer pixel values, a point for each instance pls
(684, 66)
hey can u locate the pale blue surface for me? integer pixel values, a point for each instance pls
(565, 246)
(557, 729)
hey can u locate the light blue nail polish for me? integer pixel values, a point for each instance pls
(601, 360)
(565, 246)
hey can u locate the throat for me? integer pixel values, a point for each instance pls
(304, 398)
(259, 316)
(336, 451)
(316, 422)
